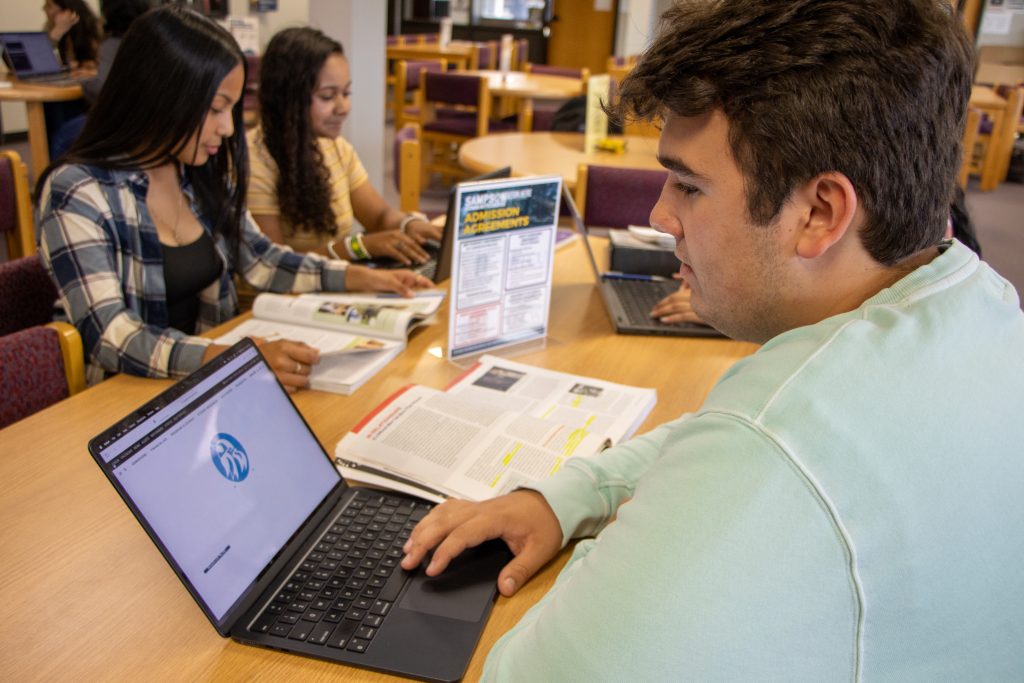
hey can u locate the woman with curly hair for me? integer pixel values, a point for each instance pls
(307, 183)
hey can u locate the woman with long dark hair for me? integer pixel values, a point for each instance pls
(75, 30)
(143, 222)
(307, 182)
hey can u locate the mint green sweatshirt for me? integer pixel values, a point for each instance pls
(848, 504)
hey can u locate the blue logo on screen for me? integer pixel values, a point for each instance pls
(229, 457)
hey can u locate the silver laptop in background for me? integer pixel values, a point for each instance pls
(629, 298)
(30, 57)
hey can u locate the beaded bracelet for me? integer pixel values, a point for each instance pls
(356, 246)
(406, 220)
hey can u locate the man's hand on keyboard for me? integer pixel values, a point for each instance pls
(522, 519)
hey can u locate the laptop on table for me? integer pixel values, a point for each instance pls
(438, 267)
(232, 486)
(629, 298)
(29, 55)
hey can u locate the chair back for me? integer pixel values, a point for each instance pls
(486, 54)
(39, 366)
(408, 162)
(970, 137)
(520, 54)
(566, 71)
(16, 206)
(613, 197)
(27, 294)
(408, 75)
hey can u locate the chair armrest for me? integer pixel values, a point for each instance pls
(73, 353)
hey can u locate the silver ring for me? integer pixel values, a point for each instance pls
(298, 368)
(398, 246)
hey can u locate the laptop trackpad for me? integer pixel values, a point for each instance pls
(464, 590)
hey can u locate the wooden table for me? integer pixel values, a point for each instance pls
(461, 54)
(34, 96)
(986, 99)
(529, 85)
(551, 154)
(86, 594)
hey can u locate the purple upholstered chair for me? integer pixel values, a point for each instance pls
(442, 135)
(15, 206)
(612, 197)
(40, 362)
(544, 110)
(486, 54)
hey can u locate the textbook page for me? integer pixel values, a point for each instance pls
(615, 410)
(460, 448)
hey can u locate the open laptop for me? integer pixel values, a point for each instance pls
(233, 487)
(438, 266)
(29, 55)
(629, 298)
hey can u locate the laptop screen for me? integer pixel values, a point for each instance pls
(223, 471)
(29, 54)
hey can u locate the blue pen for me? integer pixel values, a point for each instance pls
(615, 275)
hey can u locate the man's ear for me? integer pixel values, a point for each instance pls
(831, 205)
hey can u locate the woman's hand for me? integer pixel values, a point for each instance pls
(291, 361)
(404, 282)
(398, 245)
(422, 230)
(675, 308)
(62, 23)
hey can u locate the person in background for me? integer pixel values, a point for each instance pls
(143, 223)
(307, 183)
(75, 31)
(845, 505)
(118, 15)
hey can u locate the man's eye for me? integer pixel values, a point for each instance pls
(685, 189)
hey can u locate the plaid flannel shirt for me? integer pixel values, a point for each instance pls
(100, 245)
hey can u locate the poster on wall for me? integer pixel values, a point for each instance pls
(263, 5)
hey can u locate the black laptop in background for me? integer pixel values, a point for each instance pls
(438, 266)
(232, 486)
(628, 298)
(30, 57)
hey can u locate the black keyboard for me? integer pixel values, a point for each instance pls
(638, 297)
(344, 588)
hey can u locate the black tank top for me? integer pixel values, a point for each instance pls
(188, 270)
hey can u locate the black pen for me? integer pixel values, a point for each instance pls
(615, 275)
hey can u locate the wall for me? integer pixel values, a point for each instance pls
(1009, 16)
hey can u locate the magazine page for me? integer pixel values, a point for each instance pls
(328, 342)
(474, 451)
(380, 315)
(616, 410)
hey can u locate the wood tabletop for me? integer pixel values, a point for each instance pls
(456, 52)
(34, 96)
(530, 85)
(86, 594)
(552, 154)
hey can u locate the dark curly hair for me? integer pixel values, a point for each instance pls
(874, 89)
(83, 39)
(289, 70)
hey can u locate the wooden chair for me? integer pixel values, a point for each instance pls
(407, 81)
(539, 115)
(16, 206)
(967, 146)
(408, 164)
(466, 101)
(486, 55)
(619, 67)
(615, 197)
(1001, 137)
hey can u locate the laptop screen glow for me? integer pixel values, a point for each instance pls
(224, 476)
(30, 54)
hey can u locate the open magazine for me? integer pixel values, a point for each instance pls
(501, 425)
(356, 334)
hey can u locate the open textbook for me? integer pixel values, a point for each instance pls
(501, 425)
(356, 334)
